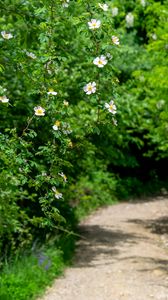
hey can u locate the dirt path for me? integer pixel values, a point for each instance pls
(124, 255)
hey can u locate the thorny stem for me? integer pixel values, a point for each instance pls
(70, 232)
(28, 123)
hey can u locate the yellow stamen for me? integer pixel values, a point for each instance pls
(57, 123)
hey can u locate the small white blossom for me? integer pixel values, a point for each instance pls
(44, 173)
(31, 55)
(143, 2)
(48, 67)
(66, 128)
(154, 36)
(114, 11)
(58, 195)
(65, 3)
(109, 56)
(111, 107)
(129, 20)
(39, 111)
(4, 99)
(67, 131)
(90, 88)
(66, 103)
(57, 125)
(160, 104)
(52, 92)
(100, 61)
(63, 176)
(114, 121)
(94, 24)
(103, 6)
(115, 40)
(6, 36)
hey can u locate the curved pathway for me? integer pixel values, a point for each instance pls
(123, 255)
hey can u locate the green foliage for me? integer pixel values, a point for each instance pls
(48, 120)
(145, 91)
(26, 277)
(61, 153)
(93, 192)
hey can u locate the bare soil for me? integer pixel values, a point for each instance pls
(123, 255)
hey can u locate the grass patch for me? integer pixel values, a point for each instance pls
(27, 276)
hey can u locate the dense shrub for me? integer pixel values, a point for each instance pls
(61, 152)
(50, 109)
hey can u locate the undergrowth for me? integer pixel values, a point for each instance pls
(26, 276)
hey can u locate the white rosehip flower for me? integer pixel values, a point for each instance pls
(58, 195)
(111, 107)
(65, 3)
(4, 99)
(31, 55)
(66, 103)
(94, 24)
(114, 11)
(129, 20)
(90, 88)
(103, 6)
(6, 36)
(115, 40)
(100, 61)
(56, 125)
(39, 111)
(52, 92)
(63, 176)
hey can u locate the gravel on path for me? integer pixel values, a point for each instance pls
(123, 255)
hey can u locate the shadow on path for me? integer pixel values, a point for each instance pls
(105, 241)
(157, 226)
(101, 241)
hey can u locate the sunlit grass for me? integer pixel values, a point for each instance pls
(27, 276)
